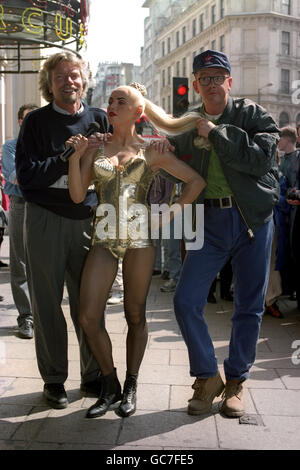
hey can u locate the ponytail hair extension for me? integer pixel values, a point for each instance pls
(161, 120)
(170, 125)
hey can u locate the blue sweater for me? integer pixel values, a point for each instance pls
(41, 174)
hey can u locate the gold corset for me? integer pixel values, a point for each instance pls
(122, 216)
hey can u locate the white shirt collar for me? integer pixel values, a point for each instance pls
(63, 111)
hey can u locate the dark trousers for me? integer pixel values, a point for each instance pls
(55, 250)
(18, 277)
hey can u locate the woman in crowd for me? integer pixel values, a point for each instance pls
(122, 171)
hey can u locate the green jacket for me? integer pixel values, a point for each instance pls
(245, 140)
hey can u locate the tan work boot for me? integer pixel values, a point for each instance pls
(205, 392)
(233, 404)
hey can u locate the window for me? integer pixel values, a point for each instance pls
(213, 14)
(148, 34)
(222, 43)
(285, 43)
(183, 35)
(194, 29)
(285, 81)
(286, 7)
(169, 75)
(284, 119)
(163, 78)
(169, 45)
(184, 67)
(177, 69)
(177, 38)
(213, 45)
(250, 44)
(163, 49)
(222, 8)
(169, 105)
(148, 73)
(201, 23)
(148, 52)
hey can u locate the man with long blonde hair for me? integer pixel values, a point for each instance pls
(55, 227)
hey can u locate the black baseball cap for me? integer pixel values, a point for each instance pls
(211, 59)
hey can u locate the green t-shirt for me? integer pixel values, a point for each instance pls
(217, 185)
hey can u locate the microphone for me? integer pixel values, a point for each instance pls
(93, 127)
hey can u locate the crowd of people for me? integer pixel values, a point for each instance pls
(223, 156)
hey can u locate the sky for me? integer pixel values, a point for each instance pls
(115, 31)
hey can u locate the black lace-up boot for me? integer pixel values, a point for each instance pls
(110, 393)
(128, 404)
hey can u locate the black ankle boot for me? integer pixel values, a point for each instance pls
(111, 393)
(128, 404)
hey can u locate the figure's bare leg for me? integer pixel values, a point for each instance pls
(98, 276)
(137, 272)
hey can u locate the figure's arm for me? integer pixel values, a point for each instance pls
(293, 202)
(8, 162)
(251, 151)
(36, 170)
(81, 162)
(80, 167)
(168, 162)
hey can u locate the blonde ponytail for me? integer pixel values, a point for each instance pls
(170, 125)
(161, 120)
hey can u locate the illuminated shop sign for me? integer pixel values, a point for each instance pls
(42, 23)
(112, 81)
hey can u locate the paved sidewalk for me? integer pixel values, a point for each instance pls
(161, 421)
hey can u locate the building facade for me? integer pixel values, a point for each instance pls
(161, 12)
(261, 38)
(110, 76)
(30, 31)
(15, 90)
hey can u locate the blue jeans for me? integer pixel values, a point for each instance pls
(225, 236)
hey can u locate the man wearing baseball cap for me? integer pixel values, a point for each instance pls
(234, 148)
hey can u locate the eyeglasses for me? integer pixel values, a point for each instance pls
(218, 80)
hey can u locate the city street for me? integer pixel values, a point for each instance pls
(161, 422)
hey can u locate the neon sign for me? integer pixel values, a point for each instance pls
(45, 20)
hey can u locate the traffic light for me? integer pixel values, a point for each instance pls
(180, 96)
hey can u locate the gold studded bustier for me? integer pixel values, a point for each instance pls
(122, 215)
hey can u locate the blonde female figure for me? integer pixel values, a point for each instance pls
(122, 171)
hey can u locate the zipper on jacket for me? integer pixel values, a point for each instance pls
(249, 230)
(194, 203)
